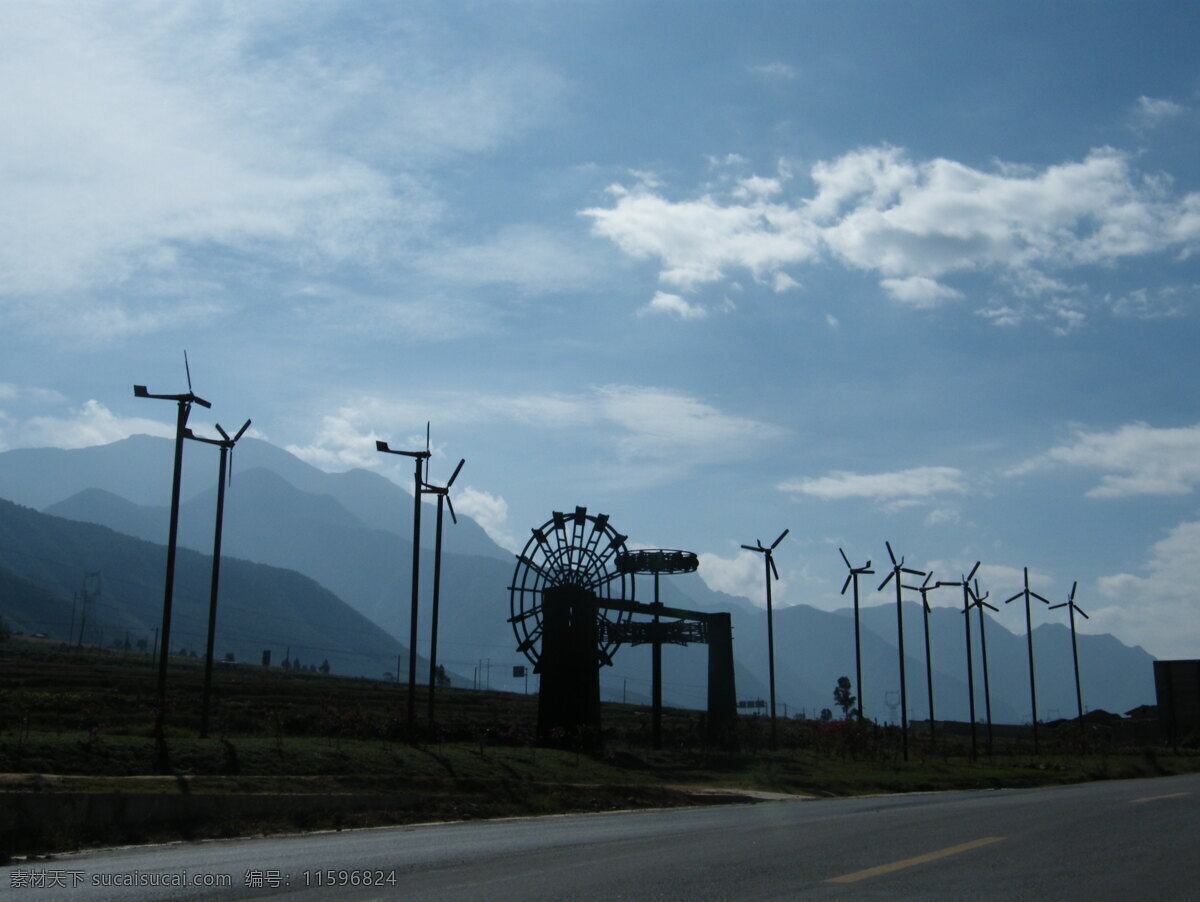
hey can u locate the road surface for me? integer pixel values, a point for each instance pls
(1122, 840)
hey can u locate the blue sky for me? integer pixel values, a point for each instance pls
(919, 272)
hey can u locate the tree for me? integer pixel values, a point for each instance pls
(325, 666)
(440, 676)
(843, 699)
(5, 631)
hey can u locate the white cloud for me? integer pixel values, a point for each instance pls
(783, 282)
(150, 145)
(742, 575)
(1152, 111)
(83, 427)
(918, 291)
(914, 224)
(775, 71)
(672, 305)
(831, 321)
(654, 433)
(490, 512)
(1140, 460)
(897, 486)
(1159, 610)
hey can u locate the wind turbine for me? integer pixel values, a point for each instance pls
(185, 402)
(1071, 607)
(898, 568)
(771, 570)
(443, 495)
(980, 603)
(1028, 593)
(225, 443)
(852, 577)
(965, 583)
(925, 589)
(418, 484)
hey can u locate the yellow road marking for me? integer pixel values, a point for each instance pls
(912, 862)
(1173, 795)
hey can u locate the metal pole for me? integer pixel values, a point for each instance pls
(1075, 658)
(212, 598)
(656, 678)
(858, 653)
(929, 673)
(903, 683)
(1032, 683)
(987, 687)
(970, 669)
(437, 584)
(416, 583)
(771, 647)
(164, 651)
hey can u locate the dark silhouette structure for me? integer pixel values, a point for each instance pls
(418, 487)
(225, 443)
(965, 583)
(184, 402)
(852, 578)
(925, 588)
(771, 570)
(572, 606)
(1071, 607)
(656, 561)
(443, 499)
(896, 575)
(1028, 593)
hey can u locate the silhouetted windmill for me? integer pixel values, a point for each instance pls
(852, 577)
(1028, 593)
(443, 495)
(185, 402)
(980, 602)
(1071, 607)
(898, 568)
(225, 443)
(771, 570)
(925, 589)
(418, 484)
(965, 583)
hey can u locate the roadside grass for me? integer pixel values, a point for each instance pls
(81, 722)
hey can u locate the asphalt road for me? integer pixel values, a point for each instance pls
(1120, 840)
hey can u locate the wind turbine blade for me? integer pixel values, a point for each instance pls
(891, 553)
(780, 539)
(242, 431)
(224, 434)
(912, 571)
(751, 548)
(774, 569)
(1038, 597)
(454, 475)
(382, 446)
(1074, 586)
(846, 584)
(867, 568)
(928, 577)
(991, 606)
(846, 559)
(187, 369)
(970, 576)
(1055, 607)
(450, 504)
(1020, 594)
(1081, 611)
(883, 584)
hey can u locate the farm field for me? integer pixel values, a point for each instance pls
(80, 723)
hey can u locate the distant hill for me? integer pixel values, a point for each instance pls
(43, 560)
(348, 533)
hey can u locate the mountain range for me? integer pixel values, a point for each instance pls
(321, 563)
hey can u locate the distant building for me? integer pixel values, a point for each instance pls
(1177, 684)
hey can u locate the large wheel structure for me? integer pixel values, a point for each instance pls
(578, 550)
